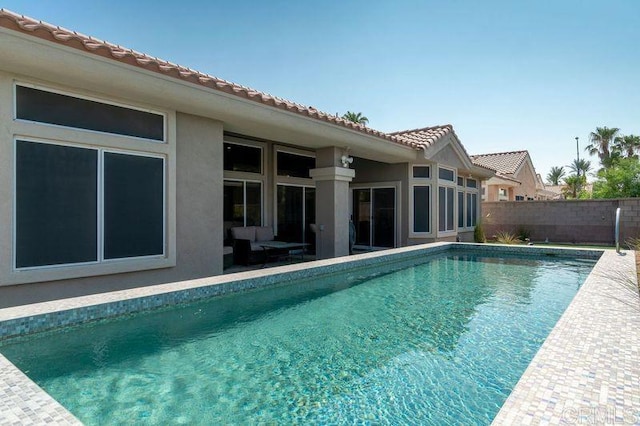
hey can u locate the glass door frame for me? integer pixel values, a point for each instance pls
(397, 186)
(289, 181)
(304, 208)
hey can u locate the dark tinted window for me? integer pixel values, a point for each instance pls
(421, 172)
(421, 209)
(460, 209)
(472, 209)
(445, 174)
(54, 108)
(293, 165)
(242, 158)
(460, 181)
(133, 206)
(56, 204)
(472, 183)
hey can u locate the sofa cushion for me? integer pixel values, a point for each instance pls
(264, 233)
(244, 233)
(256, 246)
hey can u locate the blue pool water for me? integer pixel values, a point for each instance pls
(442, 342)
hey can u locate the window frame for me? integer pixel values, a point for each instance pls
(466, 190)
(251, 144)
(421, 182)
(238, 176)
(304, 212)
(420, 166)
(397, 187)
(285, 180)
(467, 211)
(244, 197)
(100, 205)
(164, 115)
(17, 129)
(447, 185)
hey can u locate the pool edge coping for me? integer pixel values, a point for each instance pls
(37, 317)
(587, 369)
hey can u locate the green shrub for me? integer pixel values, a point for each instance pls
(478, 233)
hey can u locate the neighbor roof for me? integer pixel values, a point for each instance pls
(108, 50)
(505, 163)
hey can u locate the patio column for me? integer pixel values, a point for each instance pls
(332, 203)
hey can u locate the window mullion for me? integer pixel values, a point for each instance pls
(100, 212)
(244, 203)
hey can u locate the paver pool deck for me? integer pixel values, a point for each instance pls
(588, 369)
(586, 372)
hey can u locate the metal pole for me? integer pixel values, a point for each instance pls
(617, 235)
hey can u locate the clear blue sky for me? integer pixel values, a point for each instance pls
(509, 75)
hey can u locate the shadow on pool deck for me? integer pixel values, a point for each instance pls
(284, 260)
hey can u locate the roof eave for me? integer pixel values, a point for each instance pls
(41, 59)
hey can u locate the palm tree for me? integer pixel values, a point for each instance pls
(555, 175)
(580, 167)
(600, 144)
(573, 185)
(356, 117)
(628, 144)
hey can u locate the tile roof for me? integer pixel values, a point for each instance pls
(417, 138)
(108, 50)
(426, 136)
(505, 163)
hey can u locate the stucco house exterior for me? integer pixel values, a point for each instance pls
(515, 179)
(120, 170)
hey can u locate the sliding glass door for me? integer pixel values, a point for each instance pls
(296, 207)
(374, 216)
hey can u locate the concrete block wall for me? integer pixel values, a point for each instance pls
(564, 221)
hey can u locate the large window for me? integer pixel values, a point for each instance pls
(421, 172)
(445, 208)
(295, 208)
(242, 158)
(294, 165)
(133, 205)
(446, 174)
(45, 106)
(460, 209)
(79, 205)
(446, 199)
(242, 203)
(420, 202)
(421, 208)
(472, 209)
(56, 204)
(467, 202)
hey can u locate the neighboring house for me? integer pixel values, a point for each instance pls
(543, 191)
(515, 179)
(121, 170)
(561, 192)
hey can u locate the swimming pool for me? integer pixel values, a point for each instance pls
(443, 341)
